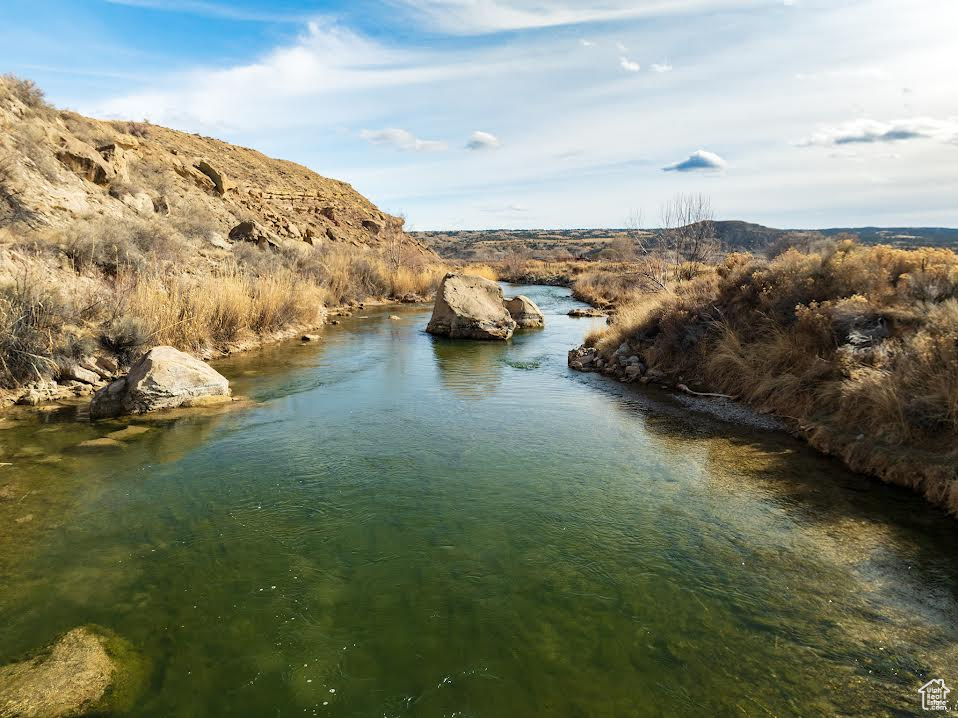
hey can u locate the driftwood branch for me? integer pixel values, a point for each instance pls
(682, 387)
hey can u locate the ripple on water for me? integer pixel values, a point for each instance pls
(403, 524)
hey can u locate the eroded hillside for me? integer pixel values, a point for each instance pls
(119, 235)
(60, 167)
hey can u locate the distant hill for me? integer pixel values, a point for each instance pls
(901, 236)
(494, 244)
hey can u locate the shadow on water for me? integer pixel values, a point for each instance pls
(402, 525)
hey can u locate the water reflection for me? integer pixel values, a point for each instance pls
(470, 369)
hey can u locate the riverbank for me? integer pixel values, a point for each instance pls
(854, 348)
(89, 373)
(119, 236)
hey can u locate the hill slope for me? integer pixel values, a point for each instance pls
(58, 167)
(115, 236)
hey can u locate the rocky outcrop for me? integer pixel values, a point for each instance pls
(84, 161)
(164, 378)
(624, 364)
(86, 672)
(221, 183)
(470, 308)
(139, 202)
(525, 312)
(250, 231)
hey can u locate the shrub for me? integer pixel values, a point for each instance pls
(32, 316)
(124, 337)
(138, 129)
(27, 91)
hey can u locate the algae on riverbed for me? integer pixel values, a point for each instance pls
(530, 542)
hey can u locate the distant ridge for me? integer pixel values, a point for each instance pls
(493, 244)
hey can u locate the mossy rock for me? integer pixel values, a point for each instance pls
(89, 671)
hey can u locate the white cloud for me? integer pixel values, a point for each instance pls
(476, 17)
(402, 140)
(699, 161)
(864, 131)
(629, 65)
(482, 141)
(586, 43)
(656, 67)
(272, 91)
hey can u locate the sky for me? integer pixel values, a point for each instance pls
(473, 114)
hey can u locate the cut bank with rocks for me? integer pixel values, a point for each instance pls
(119, 236)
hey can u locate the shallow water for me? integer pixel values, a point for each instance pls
(403, 525)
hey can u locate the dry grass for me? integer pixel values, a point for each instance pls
(216, 310)
(601, 284)
(857, 345)
(120, 287)
(482, 270)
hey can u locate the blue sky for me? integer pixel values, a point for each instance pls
(526, 113)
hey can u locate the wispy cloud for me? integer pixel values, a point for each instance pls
(508, 209)
(629, 65)
(586, 43)
(864, 131)
(656, 67)
(214, 10)
(699, 161)
(402, 140)
(273, 91)
(482, 141)
(844, 73)
(476, 17)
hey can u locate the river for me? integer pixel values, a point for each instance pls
(396, 524)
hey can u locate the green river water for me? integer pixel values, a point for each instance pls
(398, 525)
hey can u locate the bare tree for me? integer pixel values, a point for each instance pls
(515, 262)
(687, 235)
(395, 244)
(688, 228)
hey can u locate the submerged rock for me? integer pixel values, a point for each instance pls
(525, 312)
(164, 378)
(88, 671)
(470, 308)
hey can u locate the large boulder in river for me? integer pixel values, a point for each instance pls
(470, 307)
(164, 378)
(525, 312)
(88, 671)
